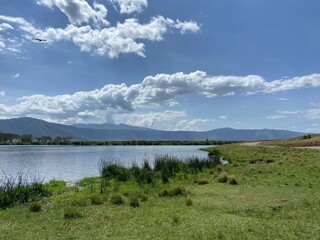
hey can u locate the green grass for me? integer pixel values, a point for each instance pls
(278, 199)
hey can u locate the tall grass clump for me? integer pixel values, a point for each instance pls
(20, 190)
(111, 169)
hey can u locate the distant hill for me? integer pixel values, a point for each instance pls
(112, 132)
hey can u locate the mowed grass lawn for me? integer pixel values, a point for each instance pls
(277, 196)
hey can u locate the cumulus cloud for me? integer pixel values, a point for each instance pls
(123, 38)
(5, 27)
(160, 90)
(312, 80)
(2, 94)
(223, 117)
(194, 125)
(79, 11)
(130, 6)
(187, 26)
(149, 119)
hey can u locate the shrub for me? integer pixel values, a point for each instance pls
(232, 180)
(134, 202)
(96, 200)
(116, 199)
(189, 201)
(202, 181)
(143, 198)
(172, 192)
(35, 207)
(223, 178)
(72, 213)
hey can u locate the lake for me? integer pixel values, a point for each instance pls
(71, 163)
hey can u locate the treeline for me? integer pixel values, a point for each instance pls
(14, 139)
(146, 143)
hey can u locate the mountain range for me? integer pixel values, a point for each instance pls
(123, 132)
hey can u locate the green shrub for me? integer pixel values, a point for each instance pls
(35, 207)
(202, 181)
(72, 213)
(134, 202)
(143, 198)
(116, 199)
(189, 201)
(232, 180)
(223, 177)
(172, 192)
(96, 199)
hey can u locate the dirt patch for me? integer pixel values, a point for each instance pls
(251, 144)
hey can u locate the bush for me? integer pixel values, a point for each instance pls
(134, 202)
(189, 201)
(116, 199)
(72, 213)
(232, 180)
(202, 181)
(35, 207)
(223, 178)
(172, 192)
(96, 200)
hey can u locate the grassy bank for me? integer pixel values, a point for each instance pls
(263, 193)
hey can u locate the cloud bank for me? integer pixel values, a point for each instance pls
(122, 103)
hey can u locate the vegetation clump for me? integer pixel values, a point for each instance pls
(35, 207)
(173, 192)
(20, 190)
(72, 213)
(134, 202)
(201, 181)
(116, 199)
(223, 177)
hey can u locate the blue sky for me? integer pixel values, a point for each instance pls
(169, 64)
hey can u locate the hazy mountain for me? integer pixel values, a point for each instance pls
(105, 132)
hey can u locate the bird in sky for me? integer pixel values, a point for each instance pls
(40, 40)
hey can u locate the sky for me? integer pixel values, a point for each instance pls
(163, 64)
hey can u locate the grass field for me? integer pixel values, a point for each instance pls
(275, 195)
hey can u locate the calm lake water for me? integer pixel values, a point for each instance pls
(71, 163)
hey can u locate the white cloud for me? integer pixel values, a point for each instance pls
(79, 11)
(275, 117)
(289, 112)
(194, 125)
(282, 99)
(313, 113)
(123, 38)
(130, 6)
(2, 94)
(5, 26)
(312, 80)
(2, 45)
(149, 119)
(223, 117)
(16, 75)
(188, 26)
